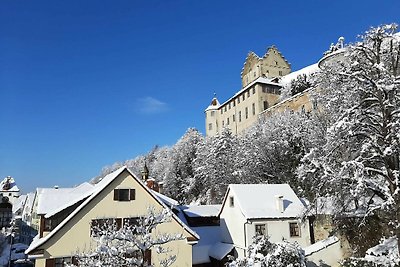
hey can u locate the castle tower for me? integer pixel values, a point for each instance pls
(212, 117)
(273, 64)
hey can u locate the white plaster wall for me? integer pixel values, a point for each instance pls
(278, 230)
(232, 226)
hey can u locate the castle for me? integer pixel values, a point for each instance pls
(262, 81)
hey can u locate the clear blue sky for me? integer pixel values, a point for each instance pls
(84, 84)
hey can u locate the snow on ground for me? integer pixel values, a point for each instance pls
(320, 245)
(386, 253)
(287, 79)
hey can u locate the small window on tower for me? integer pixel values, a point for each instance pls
(210, 126)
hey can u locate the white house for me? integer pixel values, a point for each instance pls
(268, 209)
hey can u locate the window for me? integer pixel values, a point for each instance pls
(314, 104)
(254, 90)
(124, 194)
(210, 126)
(212, 113)
(243, 97)
(225, 109)
(246, 112)
(227, 121)
(222, 111)
(240, 116)
(223, 123)
(265, 105)
(248, 93)
(233, 103)
(280, 73)
(303, 109)
(253, 108)
(294, 229)
(254, 74)
(238, 99)
(231, 201)
(233, 117)
(261, 229)
(229, 106)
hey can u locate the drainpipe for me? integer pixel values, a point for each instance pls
(245, 239)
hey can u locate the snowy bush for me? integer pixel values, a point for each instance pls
(266, 254)
(384, 254)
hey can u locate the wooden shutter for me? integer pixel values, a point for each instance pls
(50, 262)
(116, 194)
(147, 257)
(132, 194)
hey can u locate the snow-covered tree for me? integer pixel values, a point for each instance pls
(271, 150)
(177, 182)
(215, 167)
(301, 83)
(267, 254)
(360, 96)
(130, 243)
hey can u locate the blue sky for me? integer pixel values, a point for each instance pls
(84, 84)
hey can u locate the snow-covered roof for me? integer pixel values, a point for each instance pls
(259, 201)
(202, 210)
(287, 79)
(214, 104)
(8, 185)
(262, 80)
(19, 203)
(320, 245)
(220, 250)
(29, 202)
(99, 187)
(209, 236)
(167, 200)
(50, 202)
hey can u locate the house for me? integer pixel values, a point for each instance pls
(203, 219)
(263, 209)
(52, 205)
(118, 195)
(9, 193)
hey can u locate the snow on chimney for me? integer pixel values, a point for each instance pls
(279, 203)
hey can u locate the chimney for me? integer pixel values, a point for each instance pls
(161, 187)
(279, 203)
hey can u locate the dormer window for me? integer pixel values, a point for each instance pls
(231, 202)
(124, 194)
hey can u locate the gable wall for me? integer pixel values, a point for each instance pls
(232, 224)
(75, 235)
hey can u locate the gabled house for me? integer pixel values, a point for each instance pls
(118, 195)
(267, 209)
